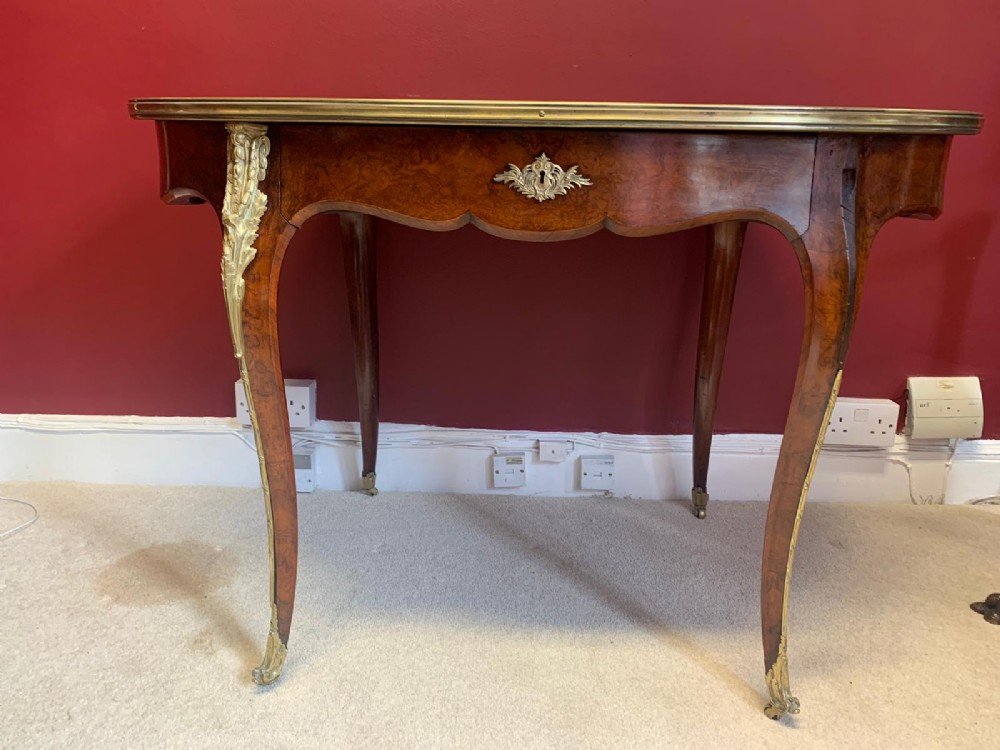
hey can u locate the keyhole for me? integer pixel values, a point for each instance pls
(541, 177)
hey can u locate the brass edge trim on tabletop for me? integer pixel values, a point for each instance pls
(778, 684)
(561, 114)
(242, 209)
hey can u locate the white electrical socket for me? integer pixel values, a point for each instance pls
(300, 397)
(597, 472)
(552, 451)
(944, 408)
(869, 422)
(509, 470)
(305, 468)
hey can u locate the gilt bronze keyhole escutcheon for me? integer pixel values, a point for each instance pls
(542, 179)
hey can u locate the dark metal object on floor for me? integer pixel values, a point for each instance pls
(990, 609)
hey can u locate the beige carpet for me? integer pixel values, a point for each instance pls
(130, 617)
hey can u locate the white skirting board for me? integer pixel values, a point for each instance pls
(217, 451)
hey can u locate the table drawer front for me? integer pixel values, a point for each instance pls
(520, 183)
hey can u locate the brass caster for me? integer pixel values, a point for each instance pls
(368, 483)
(782, 701)
(778, 708)
(699, 499)
(274, 659)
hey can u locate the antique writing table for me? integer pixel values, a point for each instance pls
(827, 179)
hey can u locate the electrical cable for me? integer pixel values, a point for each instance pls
(990, 500)
(643, 445)
(416, 437)
(930, 500)
(19, 527)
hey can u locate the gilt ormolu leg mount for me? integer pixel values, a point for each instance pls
(722, 264)
(254, 241)
(358, 235)
(829, 259)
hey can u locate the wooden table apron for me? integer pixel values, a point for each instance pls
(827, 193)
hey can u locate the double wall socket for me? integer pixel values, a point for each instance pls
(300, 397)
(869, 422)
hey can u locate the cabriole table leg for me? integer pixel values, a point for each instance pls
(722, 264)
(254, 241)
(830, 268)
(358, 236)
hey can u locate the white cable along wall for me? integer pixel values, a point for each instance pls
(217, 451)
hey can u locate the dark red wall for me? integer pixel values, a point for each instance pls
(110, 302)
